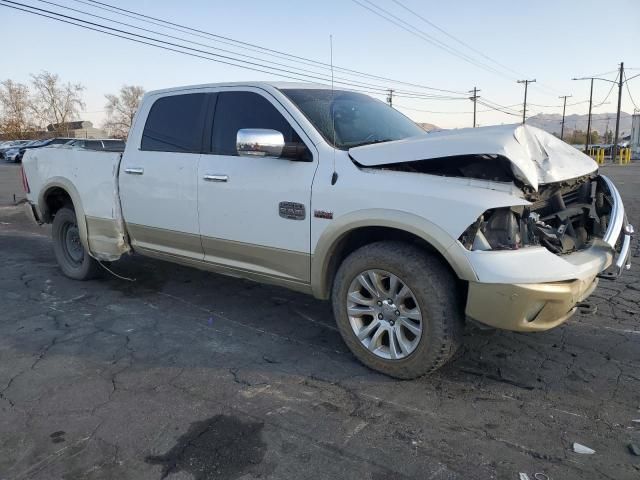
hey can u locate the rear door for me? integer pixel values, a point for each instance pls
(158, 177)
(243, 201)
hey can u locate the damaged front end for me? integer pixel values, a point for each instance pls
(563, 217)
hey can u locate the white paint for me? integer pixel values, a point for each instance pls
(171, 194)
(578, 448)
(537, 157)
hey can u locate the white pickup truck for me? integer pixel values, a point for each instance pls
(338, 195)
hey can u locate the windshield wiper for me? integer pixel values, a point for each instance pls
(369, 142)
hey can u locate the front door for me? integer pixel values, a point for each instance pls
(158, 180)
(255, 211)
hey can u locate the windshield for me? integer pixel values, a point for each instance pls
(358, 119)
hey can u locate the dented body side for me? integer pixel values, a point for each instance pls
(90, 179)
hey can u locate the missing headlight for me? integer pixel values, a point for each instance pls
(563, 219)
(498, 229)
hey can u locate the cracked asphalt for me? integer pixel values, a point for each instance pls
(185, 374)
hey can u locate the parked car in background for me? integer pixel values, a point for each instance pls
(107, 144)
(47, 142)
(11, 154)
(9, 145)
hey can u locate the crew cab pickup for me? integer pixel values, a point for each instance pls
(338, 195)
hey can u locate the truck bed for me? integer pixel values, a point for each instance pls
(91, 179)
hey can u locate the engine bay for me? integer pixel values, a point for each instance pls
(563, 217)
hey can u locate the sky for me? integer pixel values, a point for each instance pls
(490, 44)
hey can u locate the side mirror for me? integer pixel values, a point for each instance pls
(259, 142)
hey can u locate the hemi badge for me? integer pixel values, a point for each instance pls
(323, 214)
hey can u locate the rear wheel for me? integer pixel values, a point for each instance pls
(71, 255)
(398, 309)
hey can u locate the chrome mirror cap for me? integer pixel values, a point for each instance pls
(259, 142)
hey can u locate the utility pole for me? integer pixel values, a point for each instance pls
(564, 109)
(390, 97)
(586, 147)
(474, 98)
(526, 87)
(615, 139)
(620, 82)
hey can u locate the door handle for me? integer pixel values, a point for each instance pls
(215, 178)
(134, 170)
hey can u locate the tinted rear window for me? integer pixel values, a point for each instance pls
(175, 124)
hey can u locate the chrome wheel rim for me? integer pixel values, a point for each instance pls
(384, 314)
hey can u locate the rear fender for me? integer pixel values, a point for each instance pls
(66, 185)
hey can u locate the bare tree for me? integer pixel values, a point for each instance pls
(55, 102)
(121, 109)
(15, 109)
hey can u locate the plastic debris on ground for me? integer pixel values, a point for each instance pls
(578, 448)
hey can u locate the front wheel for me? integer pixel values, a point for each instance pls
(73, 258)
(398, 309)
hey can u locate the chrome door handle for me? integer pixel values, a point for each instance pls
(134, 170)
(215, 178)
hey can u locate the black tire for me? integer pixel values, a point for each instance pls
(436, 292)
(74, 260)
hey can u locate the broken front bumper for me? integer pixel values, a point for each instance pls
(527, 307)
(533, 289)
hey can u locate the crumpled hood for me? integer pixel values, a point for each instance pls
(536, 157)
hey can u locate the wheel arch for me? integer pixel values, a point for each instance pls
(56, 194)
(352, 231)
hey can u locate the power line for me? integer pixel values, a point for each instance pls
(629, 90)
(542, 85)
(138, 41)
(225, 59)
(263, 66)
(450, 112)
(171, 36)
(314, 73)
(504, 107)
(246, 45)
(559, 106)
(498, 109)
(424, 36)
(608, 94)
(456, 39)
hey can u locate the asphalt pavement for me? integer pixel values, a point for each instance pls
(182, 374)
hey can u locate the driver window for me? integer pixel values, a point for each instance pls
(238, 110)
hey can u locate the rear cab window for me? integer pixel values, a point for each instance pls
(175, 124)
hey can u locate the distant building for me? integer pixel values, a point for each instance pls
(78, 129)
(634, 141)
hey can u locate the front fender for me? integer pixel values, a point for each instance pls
(396, 219)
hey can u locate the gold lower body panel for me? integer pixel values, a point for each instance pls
(526, 307)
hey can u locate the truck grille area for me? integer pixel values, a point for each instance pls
(566, 217)
(563, 217)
